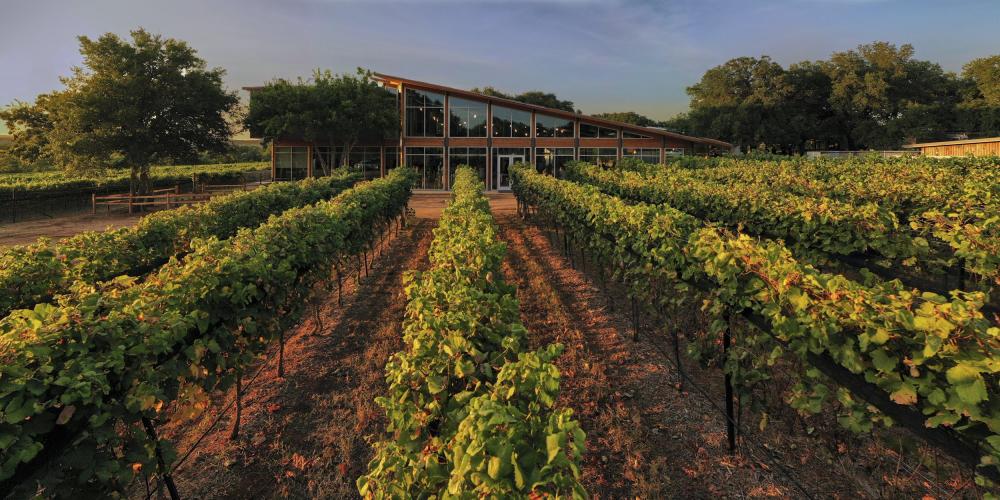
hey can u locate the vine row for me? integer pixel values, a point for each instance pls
(30, 274)
(923, 352)
(471, 413)
(91, 375)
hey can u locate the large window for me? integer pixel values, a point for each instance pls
(552, 126)
(424, 114)
(466, 118)
(588, 130)
(473, 157)
(291, 163)
(391, 158)
(367, 160)
(605, 157)
(325, 159)
(648, 155)
(552, 161)
(674, 152)
(508, 122)
(429, 164)
(632, 135)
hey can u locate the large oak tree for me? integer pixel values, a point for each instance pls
(131, 104)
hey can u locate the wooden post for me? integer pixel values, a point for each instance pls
(239, 406)
(281, 353)
(161, 464)
(93, 203)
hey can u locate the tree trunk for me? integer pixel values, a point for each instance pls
(144, 179)
(324, 165)
(348, 146)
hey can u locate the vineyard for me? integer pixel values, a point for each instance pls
(716, 327)
(49, 183)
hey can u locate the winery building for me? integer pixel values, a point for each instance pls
(989, 146)
(443, 127)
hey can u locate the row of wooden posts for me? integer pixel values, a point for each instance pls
(165, 197)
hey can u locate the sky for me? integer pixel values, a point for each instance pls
(607, 55)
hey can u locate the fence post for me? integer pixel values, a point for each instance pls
(160, 463)
(93, 203)
(239, 406)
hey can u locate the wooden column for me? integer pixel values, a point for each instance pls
(309, 159)
(489, 145)
(381, 161)
(273, 165)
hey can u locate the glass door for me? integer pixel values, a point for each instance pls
(504, 162)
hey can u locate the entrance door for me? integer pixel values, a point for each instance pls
(504, 162)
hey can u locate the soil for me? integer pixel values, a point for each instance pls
(21, 233)
(308, 434)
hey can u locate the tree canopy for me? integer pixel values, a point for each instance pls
(132, 103)
(876, 96)
(327, 109)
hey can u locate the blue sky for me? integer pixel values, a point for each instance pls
(609, 55)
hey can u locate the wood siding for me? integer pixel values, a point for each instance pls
(977, 149)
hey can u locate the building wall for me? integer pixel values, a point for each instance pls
(977, 149)
(288, 155)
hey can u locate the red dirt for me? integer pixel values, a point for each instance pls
(305, 435)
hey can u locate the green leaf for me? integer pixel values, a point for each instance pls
(552, 446)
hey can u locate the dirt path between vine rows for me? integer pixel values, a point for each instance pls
(304, 435)
(647, 439)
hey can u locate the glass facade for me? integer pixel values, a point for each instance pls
(509, 122)
(593, 131)
(473, 157)
(552, 126)
(429, 163)
(605, 157)
(632, 135)
(673, 152)
(325, 159)
(648, 155)
(367, 160)
(391, 158)
(291, 163)
(552, 161)
(466, 118)
(424, 114)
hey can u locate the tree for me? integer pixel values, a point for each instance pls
(739, 100)
(536, 97)
(629, 117)
(130, 104)
(329, 109)
(877, 85)
(984, 73)
(29, 126)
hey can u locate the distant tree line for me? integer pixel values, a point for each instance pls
(875, 97)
